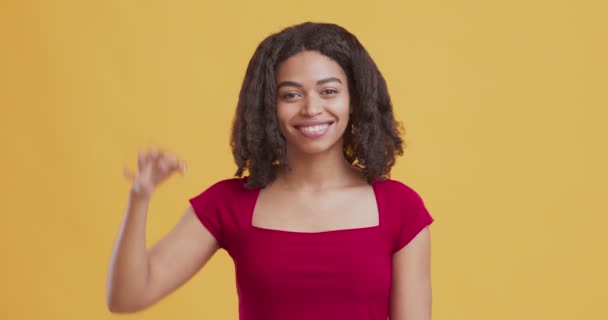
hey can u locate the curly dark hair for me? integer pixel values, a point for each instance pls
(372, 139)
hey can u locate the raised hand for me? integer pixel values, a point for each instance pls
(153, 168)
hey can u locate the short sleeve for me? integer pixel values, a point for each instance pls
(413, 216)
(206, 207)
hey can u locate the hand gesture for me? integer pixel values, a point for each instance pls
(153, 168)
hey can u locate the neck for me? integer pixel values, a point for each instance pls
(318, 171)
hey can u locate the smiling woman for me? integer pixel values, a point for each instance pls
(316, 229)
(284, 68)
(313, 103)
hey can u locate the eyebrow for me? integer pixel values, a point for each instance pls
(299, 85)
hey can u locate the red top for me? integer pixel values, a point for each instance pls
(339, 274)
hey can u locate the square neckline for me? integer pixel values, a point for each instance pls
(377, 198)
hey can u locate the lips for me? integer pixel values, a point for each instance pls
(314, 129)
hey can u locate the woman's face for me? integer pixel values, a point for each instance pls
(313, 102)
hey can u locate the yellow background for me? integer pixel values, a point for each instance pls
(504, 104)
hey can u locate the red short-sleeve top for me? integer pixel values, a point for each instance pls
(339, 274)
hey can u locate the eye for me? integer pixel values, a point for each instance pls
(289, 95)
(329, 91)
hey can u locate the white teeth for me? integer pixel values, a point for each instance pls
(316, 128)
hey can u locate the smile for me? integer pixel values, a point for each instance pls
(314, 131)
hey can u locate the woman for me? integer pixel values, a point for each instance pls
(316, 229)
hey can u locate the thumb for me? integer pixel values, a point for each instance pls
(182, 168)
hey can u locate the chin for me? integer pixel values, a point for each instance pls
(312, 150)
(315, 147)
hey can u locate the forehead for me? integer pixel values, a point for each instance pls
(309, 66)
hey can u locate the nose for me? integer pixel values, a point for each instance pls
(312, 106)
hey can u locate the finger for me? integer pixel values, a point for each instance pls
(163, 164)
(140, 159)
(152, 155)
(148, 163)
(153, 151)
(148, 156)
(177, 165)
(128, 174)
(172, 162)
(170, 157)
(161, 160)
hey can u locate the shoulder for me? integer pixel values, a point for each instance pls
(397, 189)
(400, 199)
(406, 212)
(214, 207)
(222, 189)
(230, 184)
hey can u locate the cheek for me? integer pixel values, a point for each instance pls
(341, 108)
(284, 114)
(345, 114)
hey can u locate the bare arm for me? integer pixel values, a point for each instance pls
(137, 276)
(411, 285)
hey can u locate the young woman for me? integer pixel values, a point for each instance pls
(316, 229)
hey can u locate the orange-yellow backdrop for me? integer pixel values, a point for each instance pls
(504, 104)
